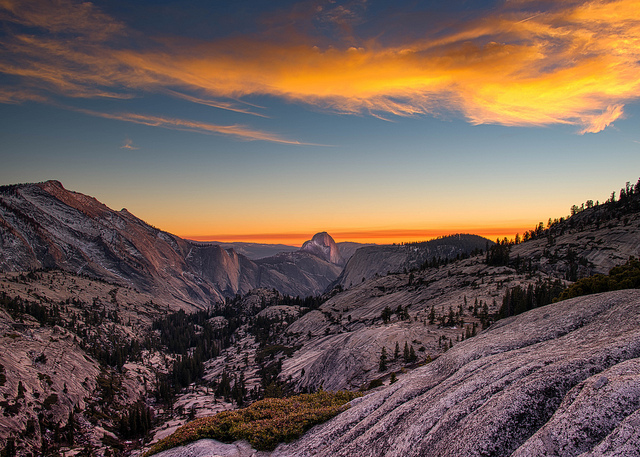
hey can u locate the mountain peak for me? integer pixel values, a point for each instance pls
(323, 246)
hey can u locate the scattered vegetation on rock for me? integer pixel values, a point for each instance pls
(265, 423)
(625, 276)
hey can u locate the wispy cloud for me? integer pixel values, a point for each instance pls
(128, 144)
(238, 131)
(214, 103)
(574, 64)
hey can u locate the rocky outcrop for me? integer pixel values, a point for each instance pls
(583, 247)
(560, 380)
(213, 448)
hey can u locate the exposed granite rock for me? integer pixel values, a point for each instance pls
(213, 448)
(597, 247)
(323, 246)
(559, 380)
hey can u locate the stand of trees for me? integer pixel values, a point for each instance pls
(626, 276)
(517, 299)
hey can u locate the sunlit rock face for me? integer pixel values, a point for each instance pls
(323, 246)
(561, 380)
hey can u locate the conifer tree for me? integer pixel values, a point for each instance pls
(383, 360)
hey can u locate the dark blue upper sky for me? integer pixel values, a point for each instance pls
(359, 116)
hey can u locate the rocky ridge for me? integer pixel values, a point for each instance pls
(370, 261)
(47, 226)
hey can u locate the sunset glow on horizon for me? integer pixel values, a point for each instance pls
(388, 121)
(365, 237)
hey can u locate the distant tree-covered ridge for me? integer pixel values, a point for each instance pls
(589, 212)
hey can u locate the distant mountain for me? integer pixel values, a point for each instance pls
(323, 246)
(257, 251)
(46, 226)
(371, 261)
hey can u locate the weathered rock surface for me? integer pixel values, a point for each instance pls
(594, 247)
(341, 342)
(559, 380)
(52, 362)
(323, 246)
(213, 448)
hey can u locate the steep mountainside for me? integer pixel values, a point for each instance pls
(371, 261)
(46, 226)
(254, 251)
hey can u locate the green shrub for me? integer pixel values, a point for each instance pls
(375, 383)
(265, 423)
(626, 276)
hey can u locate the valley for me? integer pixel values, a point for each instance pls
(114, 333)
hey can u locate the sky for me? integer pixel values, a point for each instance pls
(377, 121)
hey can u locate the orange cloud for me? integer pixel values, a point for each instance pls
(575, 64)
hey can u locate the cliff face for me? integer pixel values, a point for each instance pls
(559, 380)
(46, 226)
(323, 246)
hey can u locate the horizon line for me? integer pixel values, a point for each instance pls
(381, 236)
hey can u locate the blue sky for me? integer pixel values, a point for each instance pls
(245, 120)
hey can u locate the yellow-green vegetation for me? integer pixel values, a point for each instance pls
(265, 423)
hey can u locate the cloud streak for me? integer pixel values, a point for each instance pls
(575, 65)
(239, 131)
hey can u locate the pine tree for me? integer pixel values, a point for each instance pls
(406, 354)
(383, 360)
(396, 352)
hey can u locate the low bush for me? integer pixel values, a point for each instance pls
(265, 423)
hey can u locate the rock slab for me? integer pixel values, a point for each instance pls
(562, 380)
